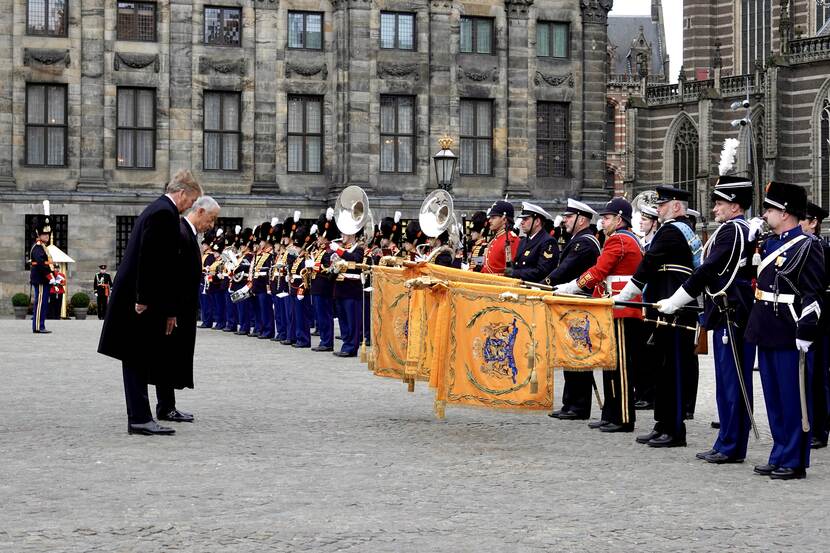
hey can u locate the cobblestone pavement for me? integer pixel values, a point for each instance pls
(301, 451)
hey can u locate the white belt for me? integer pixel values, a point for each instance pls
(779, 298)
(675, 268)
(617, 278)
(350, 276)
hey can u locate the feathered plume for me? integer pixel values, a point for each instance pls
(329, 214)
(275, 221)
(313, 230)
(46, 207)
(237, 229)
(557, 220)
(219, 233)
(296, 215)
(728, 155)
(397, 217)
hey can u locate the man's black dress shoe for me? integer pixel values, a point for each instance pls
(204, 326)
(287, 342)
(555, 414)
(667, 440)
(646, 438)
(614, 427)
(344, 354)
(704, 454)
(300, 346)
(315, 333)
(229, 329)
(174, 415)
(815, 443)
(320, 348)
(42, 331)
(719, 458)
(715, 424)
(151, 428)
(764, 470)
(642, 404)
(241, 333)
(263, 337)
(597, 424)
(787, 473)
(571, 416)
(690, 416)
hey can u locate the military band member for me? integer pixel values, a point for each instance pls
(621, 255)
(478, 240)
(725, 280)
(232, 244)
(41, 274)
(260, 285)
(784, 324)
(811, 225)
(348, 291)
(537, 254)
(644, 374)
(205, 305)
(440, 252)
(322, 282)
(102, 284)
(390, 234)
(503, 240)
(239, 280)
(578, 255)
(413, 238)
(648, 225)
(299, 287)
(666, 265)
(286, 263)
(217, 286)
(280, 283)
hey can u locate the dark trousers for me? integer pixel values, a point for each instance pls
(55, 301)
(690, 383)
(644, 372)
(231, 319)
(779, 379)
(324, 316)
(302, 330)
(103, 299)
(733, 435)
(135, 392)
(576, 394)
(675, 350)
(266, 315)
(165, 398)
(351, 324)
(821, 388)
(217, 299)
(206, 305)
(40, 306)
(244, 313)
(618, 386)
(281, 314)
(366, 308)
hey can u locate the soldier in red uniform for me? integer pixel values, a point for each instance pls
(501, 224)
(621, 255)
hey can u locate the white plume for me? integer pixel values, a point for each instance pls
(557, 220)
(397, 217)
(275, 221)
(46, 207)
(728, 155)
(296, 215)
(237, 229)
(313, 230)
(329, 214)
(219, 233)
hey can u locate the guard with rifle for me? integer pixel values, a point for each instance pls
(503, 246)
(725, 279)
(537, 253)
(578, 255)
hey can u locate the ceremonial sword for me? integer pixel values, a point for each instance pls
(802, 390)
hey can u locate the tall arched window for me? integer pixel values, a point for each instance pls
(756, 29)
(824, 144)
(610, 127)
(685, 157)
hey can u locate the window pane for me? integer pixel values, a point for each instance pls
(387, 30)
(387, 114)
(37, 16)
(314, 31)
(145, 109)
(230, 113)
(312, 120)
(34, 145)
(543, 39)
(467, 118)
(406, 31)
(125, 107)
(230, 152)
(483, 157)
(467, 156)
(295, 153)
(466, 34)
(231, 30)
(213, 150)
(57, 17)
(483, 126)
(126, 20)
(313, 153)
(295, 30)
(125, 149)
(559, 162)
(404, 154)
(213, 30)
(387, 154)
(146, 22)
(542, 121)
(542, 169)
(35, 108)
(560, 40)
(405, 112)
(483, 36)
(295, 115)
(144, 149)
(55, 145)
(56, 115)
(212, 108)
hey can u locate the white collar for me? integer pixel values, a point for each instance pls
(191, 226)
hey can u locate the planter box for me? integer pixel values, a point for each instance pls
(80, 313)
(20, 312)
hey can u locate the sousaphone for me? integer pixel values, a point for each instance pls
(351, 210)
(436, 213)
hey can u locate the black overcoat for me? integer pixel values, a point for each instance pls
(144, 277)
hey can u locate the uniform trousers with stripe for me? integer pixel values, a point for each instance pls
(231, 319)
(217, 298)
(244, 312)
(301, 322)
(324, 317)
(733, 435)
(821, 388)
(206, 305)
(351, 324)
(40, 307)
(618, 386)
(279, 318)
(266, 315)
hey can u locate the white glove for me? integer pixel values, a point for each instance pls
(629, 291)
(299, 297)
(465, 266)
(309, 263)
(675, 302)
(802, 345)
(755, 226)
(53, 281)
(420, 259)
(567, 288)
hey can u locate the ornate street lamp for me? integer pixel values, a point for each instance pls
(445, 161)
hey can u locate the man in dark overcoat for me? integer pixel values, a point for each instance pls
(141, 314)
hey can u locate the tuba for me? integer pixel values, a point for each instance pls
(351, 210)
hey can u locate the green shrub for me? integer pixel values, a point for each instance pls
(20, 300)
(79, 299)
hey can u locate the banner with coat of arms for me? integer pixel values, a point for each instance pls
(390, 321)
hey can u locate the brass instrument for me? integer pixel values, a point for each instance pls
(351, 210)
(437, 216)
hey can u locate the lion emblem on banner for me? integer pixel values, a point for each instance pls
(582, 329)
(495, 350)
(579, 330)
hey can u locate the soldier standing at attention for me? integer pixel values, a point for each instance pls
(102, 284)
(538, 253)
(41, 274)
(500, 221)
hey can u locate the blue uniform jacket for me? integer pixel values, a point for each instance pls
(346, 287)
(41, 271)
(536, 257)
(578, 255)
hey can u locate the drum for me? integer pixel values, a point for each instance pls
(241, 295)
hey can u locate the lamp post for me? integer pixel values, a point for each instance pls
(445, 161)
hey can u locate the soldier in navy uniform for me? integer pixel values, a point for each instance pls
(286, 261)
(41, 274)
(725, 280)
(239, 280)
(102, 284)
(811, 225)
(217, 288)
(666, 265)
(205, 305)
(277, 282)
(784, 323)
(648, 225)
(348, 291)
(538, 253)
(231, 244)
(446, 256)
(300, 297)
(578, 255)
(322, 282)
(260, 286)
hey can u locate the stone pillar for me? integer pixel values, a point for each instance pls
(443, 96)
(265, 97)
(181, 85)
(704, 153)
(6, 81)
(517, 94)
(92, 96)
(595, 61)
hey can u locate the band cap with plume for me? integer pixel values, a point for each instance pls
(730, 187)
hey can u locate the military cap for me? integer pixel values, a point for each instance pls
(478, 222)
(815, 211)
(730, 188)
(414, 234)
(501, 208)
(326, 226)
(533, 210)
(618, 206)
(102, 267)
(265, 230)
(390, 227)
(669, 193)
(791, 198)
(300, 234)
(42, 225)
(649, 212)
(575, 207)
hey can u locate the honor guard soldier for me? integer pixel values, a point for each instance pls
(811, 225)
(286, 265)
(784, 324)
(279, 284)
(725, 280)
(621, 255)
(413, 237)
(578, 255)
(348, 291)
(648, 225)
(390, 232)
(440, 252)
(102, 284)
(299, 283)
(239, 279)
(478, 240)
(504, 244)
(260, 285)
(41, 274)
(217, 287)
(666, 265)
(644, 374)
(322, 283)
(56, 293)
(205, 305)
(537, 254)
